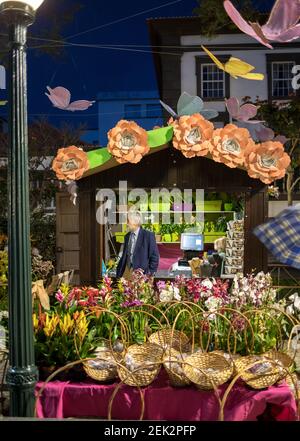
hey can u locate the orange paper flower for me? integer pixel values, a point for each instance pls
(128, 142)
(268, 162)
(70, 163)
(230, 145)
(192, 135)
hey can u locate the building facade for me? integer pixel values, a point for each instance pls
(181, 65)
(141, 106)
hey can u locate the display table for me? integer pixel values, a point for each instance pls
(163, 402)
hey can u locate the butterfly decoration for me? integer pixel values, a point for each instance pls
(265, 134)
(242, 113)
(236, 67)
(2, 103)
(189, 105)
(61, 98)
(282, 26)
(72, 189)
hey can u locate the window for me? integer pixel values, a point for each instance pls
(282, 79)
(153, 110)
(279, 74)
(132, 111)
(213, 82)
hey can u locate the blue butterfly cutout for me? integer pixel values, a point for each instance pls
(188, 105)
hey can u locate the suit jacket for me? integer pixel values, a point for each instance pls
(145, 256)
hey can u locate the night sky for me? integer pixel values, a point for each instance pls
(88, 71)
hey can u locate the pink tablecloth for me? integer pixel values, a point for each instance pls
(169, 254)
(163, 402)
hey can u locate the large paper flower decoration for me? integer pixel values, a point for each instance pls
(128, 142)
(70, 163)
(230, 145)
(192, 135)
(268, 162)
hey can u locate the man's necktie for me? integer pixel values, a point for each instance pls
(131, 245)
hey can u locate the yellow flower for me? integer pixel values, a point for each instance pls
(81, 326)
(66, 325)
(50, 326)
(35, 322)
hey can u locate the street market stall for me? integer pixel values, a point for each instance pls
(169, 169)
(203, 332)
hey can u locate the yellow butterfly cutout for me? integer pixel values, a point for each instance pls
(236, 67)
(2, 103)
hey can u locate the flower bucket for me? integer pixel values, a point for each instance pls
(228, 207)
(120, 237)
(212, 205)
(158, 237)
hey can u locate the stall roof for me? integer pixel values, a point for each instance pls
(101, 159)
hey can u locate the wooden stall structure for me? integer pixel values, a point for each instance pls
(169, 169)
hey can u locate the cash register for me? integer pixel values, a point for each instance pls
(191, 244)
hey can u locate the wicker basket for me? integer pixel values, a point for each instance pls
(104, 367)
(260, 375)
(281, 357)
(173, 364)
(167, 337)
(215, 370)
(140, 364)
(291, 383)
(231, 358)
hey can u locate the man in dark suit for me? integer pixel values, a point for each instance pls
(140, 249)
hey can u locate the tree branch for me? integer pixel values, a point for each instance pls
(294, 184)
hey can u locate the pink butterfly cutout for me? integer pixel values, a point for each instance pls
(61, 97)
(241, 113)
(265, 134)
(282, 25)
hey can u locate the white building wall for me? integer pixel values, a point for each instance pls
(238, 87)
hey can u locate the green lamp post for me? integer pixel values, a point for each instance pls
(22, 373)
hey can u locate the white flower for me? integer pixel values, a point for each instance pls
(290, 310)
(3, 314)
(213, 303)
(296, 300)
(166, 295)
(207, 284)
(176, 294)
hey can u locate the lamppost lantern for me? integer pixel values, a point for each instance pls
(22, 373)
(25, 10)
(19, 4)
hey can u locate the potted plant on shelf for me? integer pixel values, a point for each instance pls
(166, 232)
(221, 224)
(212, 202)
(228, 205)
(175, 232)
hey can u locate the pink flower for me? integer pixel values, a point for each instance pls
(59, 296)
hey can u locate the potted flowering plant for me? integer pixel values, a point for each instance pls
(61, 339)
(134, 294)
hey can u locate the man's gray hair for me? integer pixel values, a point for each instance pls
(135, 216)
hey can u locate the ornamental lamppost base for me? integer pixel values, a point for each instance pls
(22, 373)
